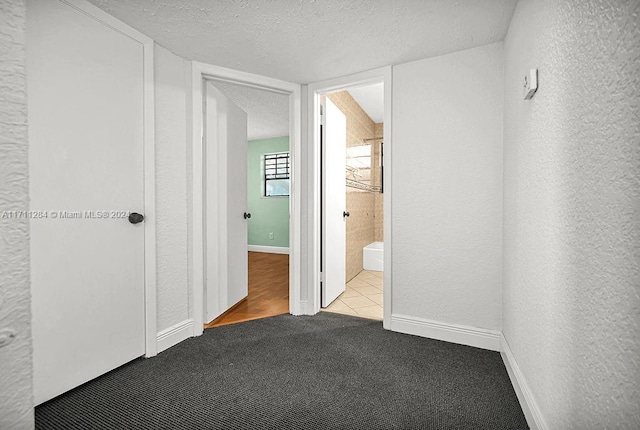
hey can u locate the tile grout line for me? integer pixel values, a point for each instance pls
(364, 280)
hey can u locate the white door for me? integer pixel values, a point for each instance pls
(85, 101)
(334, 196)
(225, 185)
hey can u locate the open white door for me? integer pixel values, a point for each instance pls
(334, 197)
(85, 94)
(225, 189)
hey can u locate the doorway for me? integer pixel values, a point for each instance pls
(352, 205)
(201, 74)
(254, 251)
(318, 265)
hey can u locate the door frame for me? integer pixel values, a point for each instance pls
(149, 175)
(201, 72)
(317, 89)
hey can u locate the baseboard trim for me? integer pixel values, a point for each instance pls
(269, 249)
(175, 334)
(527, 402)
(464, 335)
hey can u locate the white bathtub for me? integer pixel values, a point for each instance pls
(373, 256)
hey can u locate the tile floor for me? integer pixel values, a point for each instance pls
(363, 296)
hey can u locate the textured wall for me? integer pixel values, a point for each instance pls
(268, 214)
(305, 205)
(447, 187)
(171, 188)
(572, 210)
(360, 204)
(16, 401)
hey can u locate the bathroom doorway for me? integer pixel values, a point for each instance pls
(352, 184)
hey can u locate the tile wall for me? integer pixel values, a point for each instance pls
(361, 229)
(378, 197)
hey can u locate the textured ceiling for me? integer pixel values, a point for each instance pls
(267, 113)
(305, 41)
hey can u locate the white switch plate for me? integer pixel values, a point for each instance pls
(530, 84)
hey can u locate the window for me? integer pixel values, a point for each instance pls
(276, 174)
(359, 166)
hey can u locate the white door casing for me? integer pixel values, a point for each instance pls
(334, 197)
(86, 94)
(225, 182)
(316, 90)
(200, 74)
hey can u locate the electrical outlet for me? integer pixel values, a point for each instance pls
(270, 235)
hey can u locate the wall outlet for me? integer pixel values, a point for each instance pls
(271, 236)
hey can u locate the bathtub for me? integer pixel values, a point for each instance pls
(373, 256)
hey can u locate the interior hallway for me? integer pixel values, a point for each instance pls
(268, 290)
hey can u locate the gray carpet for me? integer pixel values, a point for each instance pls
(328, 371)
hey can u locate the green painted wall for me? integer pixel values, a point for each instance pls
(268, 214)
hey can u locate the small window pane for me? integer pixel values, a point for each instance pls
(277, 187)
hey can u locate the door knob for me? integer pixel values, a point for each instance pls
(135, 218)
(247, 215)
(345, 214)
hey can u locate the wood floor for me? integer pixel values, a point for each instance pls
(268, 290)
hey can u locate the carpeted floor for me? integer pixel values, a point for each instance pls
(328, 371)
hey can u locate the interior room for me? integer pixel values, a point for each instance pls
(510, 214)
(363, 108)
(268, 189)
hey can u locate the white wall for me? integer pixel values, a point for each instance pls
(447, 188)
(16, 400)
(306, 203)
(572, 210)
(171, 188)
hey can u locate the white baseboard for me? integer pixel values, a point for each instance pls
(269, 249)
(527, 402)
(175, 334)
(464, 335)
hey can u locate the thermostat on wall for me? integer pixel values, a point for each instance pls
(530, 84)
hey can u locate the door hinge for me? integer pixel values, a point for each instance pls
(321, 276)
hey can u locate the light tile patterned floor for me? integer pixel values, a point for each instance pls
(362, 297)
